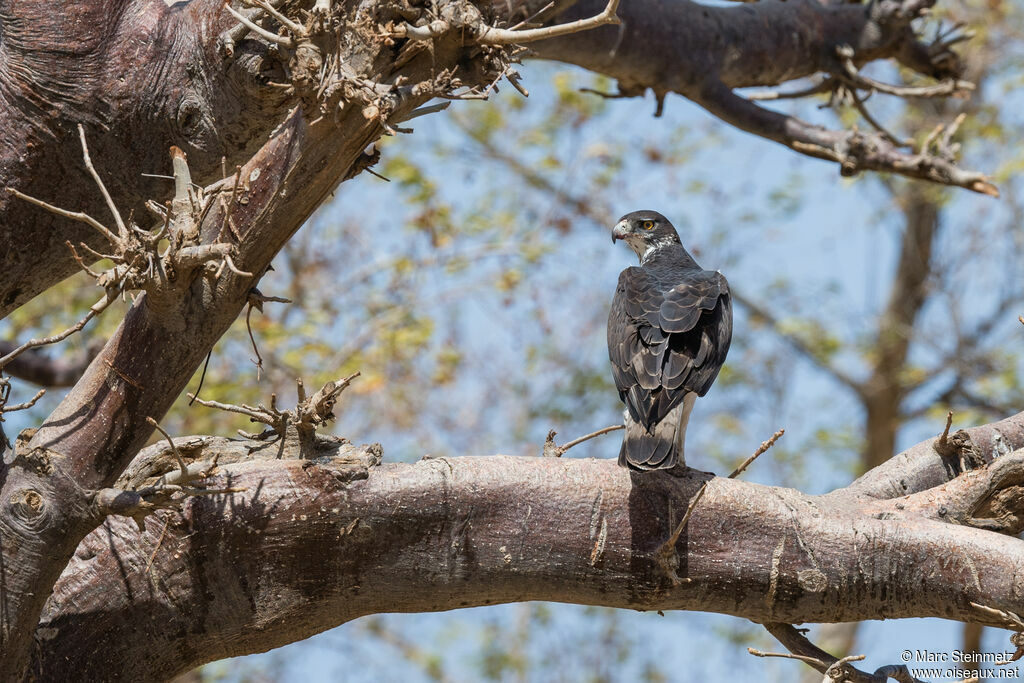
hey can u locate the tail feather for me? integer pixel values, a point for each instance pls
(661, 447)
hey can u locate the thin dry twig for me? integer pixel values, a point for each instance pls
(858, 103)
(286, 41)
(852, 75)
(1011, 621)
(833, 669)
(815, 89)
(553, 451)
(666, 553)
(73, 215)
(497, 36)
(94, 310)
(674, 538)
(529, 20)
(256, 300)
(490, 35)
(308, 414)
(249, 328)
(202, 376)
(765, 445)
(121, 228)
(174, 449)
(248, 411)
(5, 408)
(281, 18)
(813, 661)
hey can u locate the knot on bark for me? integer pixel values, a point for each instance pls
(27, 505)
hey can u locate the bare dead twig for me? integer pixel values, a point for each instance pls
(49, 371)
(666, 553)
(821, 87)
(309, 412)
(248, 411)
(855, 151)
(248, 328)
(496, 36)
(858, 103)
(553, 451)
(5, 390)
(256, 300)
(1011, 621)
(121, 228)
(137, 261)
(765, 445)
(294, 28)
(490, 35)
(94, 310)
(174, 449)
(832, 668)
(853, 77)
(686, 516)
(73, 215)
(286, 41)
(787, 655)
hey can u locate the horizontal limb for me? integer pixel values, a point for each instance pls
(492, 542)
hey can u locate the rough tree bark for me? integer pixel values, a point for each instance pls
(311, 544)
(295, 100)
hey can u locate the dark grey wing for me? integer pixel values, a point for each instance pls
(667, 339)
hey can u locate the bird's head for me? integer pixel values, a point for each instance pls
(644, 231)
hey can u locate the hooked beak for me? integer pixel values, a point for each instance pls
(620, 231)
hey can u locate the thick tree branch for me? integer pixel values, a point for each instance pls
(922, 466)
(704, 53)
(455, 532)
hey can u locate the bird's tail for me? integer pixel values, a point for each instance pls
(660, 448)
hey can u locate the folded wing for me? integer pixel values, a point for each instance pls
(666, 339)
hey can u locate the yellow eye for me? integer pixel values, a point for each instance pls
(648, 225)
